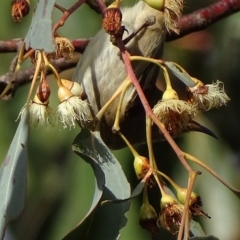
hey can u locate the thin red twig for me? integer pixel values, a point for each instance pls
(205, 17)
(67, 13)
(148, 110)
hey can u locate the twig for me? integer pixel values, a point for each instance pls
(148, 110)
(12, 45)
(195, 21)
(66, 14)
(25, 76)
(211, 171)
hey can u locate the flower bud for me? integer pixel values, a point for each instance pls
(156, 4)
(141, 166)
(148, 218)
(74, 87)
(170, 94)
(64, 94)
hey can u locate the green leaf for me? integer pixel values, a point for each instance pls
(184, 77)
(204, 238)
(137, 191)
(40, 35)
(13, 176)
(196, 229)
(95, 225)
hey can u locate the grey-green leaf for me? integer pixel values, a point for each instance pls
(184, 77)
(204, 238)
(81, 229)
(196, 229)
(40, 35)
(92, 149)
(13, 176)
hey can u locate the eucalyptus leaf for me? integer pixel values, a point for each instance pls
(40, 35)
(204, 238)
(196, 229)
(13, 176)
(95, 225)
(81, 229)
(184, 77)
(137, 191)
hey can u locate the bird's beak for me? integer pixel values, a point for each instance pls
(194, 126)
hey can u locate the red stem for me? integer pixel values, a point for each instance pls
(148, 110)
(66, 14)
(205, 17)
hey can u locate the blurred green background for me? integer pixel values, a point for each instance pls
(60, 185)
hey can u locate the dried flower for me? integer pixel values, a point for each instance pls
(63, 49)
(171, 213)
(208, 96)
(148, 218)
(194, 204)
(72, 109)
(39, 110)
(175, 114)
(39, 113)
(20, 9)
(172, 12)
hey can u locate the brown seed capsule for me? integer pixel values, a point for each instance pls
(20, 9)
(43, 91)
(112, 21)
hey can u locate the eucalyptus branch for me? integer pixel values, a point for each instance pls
(66, 14)
(205, 17)
(195, 21)
(203, 165)
(25, 76)
(184, 228)
(98, 5)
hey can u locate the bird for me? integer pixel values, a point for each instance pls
(100, 71)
